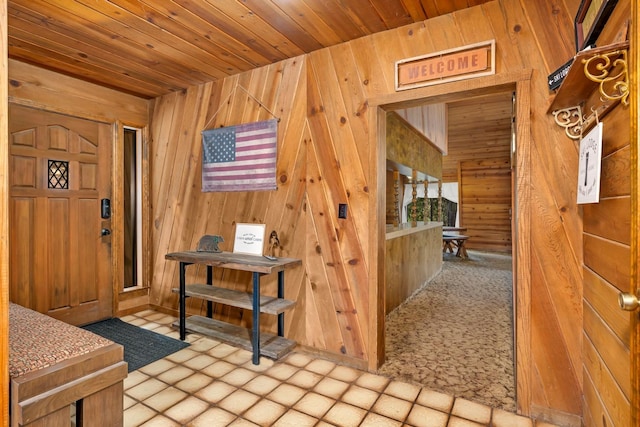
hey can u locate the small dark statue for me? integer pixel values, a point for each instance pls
(209, 243)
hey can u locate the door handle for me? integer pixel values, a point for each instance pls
(628, 302)
(105, 232)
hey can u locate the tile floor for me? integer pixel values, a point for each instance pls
(214, 384)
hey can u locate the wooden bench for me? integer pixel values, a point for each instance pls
(53, 365)
(451, 241)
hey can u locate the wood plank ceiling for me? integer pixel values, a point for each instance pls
(152, 47)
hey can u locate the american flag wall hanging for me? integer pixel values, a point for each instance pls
(240, 158)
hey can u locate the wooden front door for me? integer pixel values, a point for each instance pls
(60, 257)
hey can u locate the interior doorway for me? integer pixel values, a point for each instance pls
(510, 153)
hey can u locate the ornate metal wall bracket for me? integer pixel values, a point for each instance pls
(609, 70)
(571, 120)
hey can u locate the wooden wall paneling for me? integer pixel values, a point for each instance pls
(615, 358)
(353, 100)
(322, 232)
(607, 258)
(478, 31)
(324, 327)
(165, 131)
(554, 361)
(602, 296)
(555, 236)
(183, 163)
(341, 103)
(556, 239)
(507, 22)
(618, 118)
(292, 233)
(180, 198)
(185, 181)
(557, 37)
(559, 274)
(244, 109)
(411, 261)
(289, 219)
(485, 203)
(555, 224)
(610, 218)
(614, 176)
(342, 153)
(346, 256)
(386, 47)
(43, 89)
(264, 85)
(291, 161)
(251, 204)
(594, 411)
(217, 213)
(371, 71)
(442, 32)
(597, 409)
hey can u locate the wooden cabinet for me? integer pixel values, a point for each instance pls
(266, 344)
(54, 365)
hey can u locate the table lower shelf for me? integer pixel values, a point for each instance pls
(271, 346)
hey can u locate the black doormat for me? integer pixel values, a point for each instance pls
(141, 346)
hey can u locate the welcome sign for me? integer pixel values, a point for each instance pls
(446, 66)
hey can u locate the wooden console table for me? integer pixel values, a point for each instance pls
(260, 344)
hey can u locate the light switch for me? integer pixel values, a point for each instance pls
(342, 210)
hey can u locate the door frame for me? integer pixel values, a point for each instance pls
(634, 140)
(519, 82)
(130, 299)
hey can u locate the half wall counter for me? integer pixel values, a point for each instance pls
(413, 257)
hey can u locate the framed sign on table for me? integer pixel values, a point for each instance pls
(249, 239)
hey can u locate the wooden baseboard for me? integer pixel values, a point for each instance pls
(165, 310)
(132, 301)
(131, 310)
(559, 418)
(334, 357)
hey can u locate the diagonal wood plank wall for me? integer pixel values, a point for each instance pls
(182, 213)
(326, 157)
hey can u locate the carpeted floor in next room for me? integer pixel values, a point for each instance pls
(455, 334)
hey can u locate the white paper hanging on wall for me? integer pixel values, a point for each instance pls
(589, 166)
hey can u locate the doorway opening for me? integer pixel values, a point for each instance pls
(132, 207)
(506, 258)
